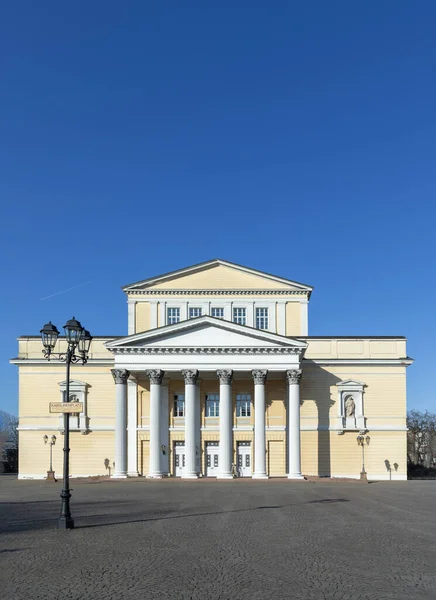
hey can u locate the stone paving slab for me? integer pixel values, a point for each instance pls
(209, 540)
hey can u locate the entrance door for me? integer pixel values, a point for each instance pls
(212, 459)
(179, 458)
(244, 459)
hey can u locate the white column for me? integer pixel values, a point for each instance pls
(190, 377)
(226, 425)
(293, 378)
(259, 377)
(155, 376)
(164, 428)
(197, 429)
(120, 377)
(132, 423)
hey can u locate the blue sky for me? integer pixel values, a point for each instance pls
(296, 138)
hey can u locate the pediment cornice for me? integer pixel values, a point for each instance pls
(176, 292)
(206, 335)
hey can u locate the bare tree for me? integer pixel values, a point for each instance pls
(8, 425)
(421, 438)
(8, 442)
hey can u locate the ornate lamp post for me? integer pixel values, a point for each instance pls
(362, 441)
(50, 473)
(78, 344)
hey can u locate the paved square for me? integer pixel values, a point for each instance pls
(210, 540)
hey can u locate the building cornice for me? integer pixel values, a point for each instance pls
(163, 292)
(135, 350)
(405, 362)
(54, 363)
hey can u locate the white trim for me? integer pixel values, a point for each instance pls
(162, 313)
(336, 428)
(43, 361)
(89, 431)
(131, 316)
(371, 477)
(405, 362)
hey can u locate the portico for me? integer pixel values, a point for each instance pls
(216, 353)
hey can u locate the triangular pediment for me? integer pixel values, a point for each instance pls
(350, 383)
(206, 332)
(218, 274)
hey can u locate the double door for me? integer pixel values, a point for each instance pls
(179, 458)
(212, 459)
(244, 459)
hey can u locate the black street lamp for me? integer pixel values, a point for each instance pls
(361, 441)
(79, 342)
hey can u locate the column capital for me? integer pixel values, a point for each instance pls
(190, 376)
(225, 376)
(120, 375)
(293, 376)
(259, 376)
(155, 375)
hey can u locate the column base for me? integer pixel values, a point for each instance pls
(119, 476)
(189, 476)
(225, 476)
(260, 476)
(132, 474)
(295, 476)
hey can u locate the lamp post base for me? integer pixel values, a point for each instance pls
(363, 476)
(51, 476)
(65, 523)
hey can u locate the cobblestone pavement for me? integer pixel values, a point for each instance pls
(210, 540)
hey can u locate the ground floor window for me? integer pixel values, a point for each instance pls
(243, 405)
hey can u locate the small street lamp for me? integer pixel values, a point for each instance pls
(362, 441)
(79, 342)
(50, 473)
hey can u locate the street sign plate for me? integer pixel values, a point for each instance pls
(66, 407)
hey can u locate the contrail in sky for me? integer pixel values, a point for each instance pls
(68, 289)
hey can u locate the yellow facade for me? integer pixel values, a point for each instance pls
(327, 449)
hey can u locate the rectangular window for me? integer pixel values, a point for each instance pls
(261, 318)
(239, 316)
(243, 405)
(179, 405)
(173, 315)
(212, 405)
(218, 313)
(194, 312)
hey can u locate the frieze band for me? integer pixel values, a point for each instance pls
(155, 376)
(120, 375)
(259, 376)
(209, 351)
(225, 376)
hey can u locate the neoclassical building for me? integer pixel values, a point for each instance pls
(218, 377)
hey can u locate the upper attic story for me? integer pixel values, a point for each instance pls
(220, 289)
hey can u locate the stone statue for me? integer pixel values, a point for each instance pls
(350, 407)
